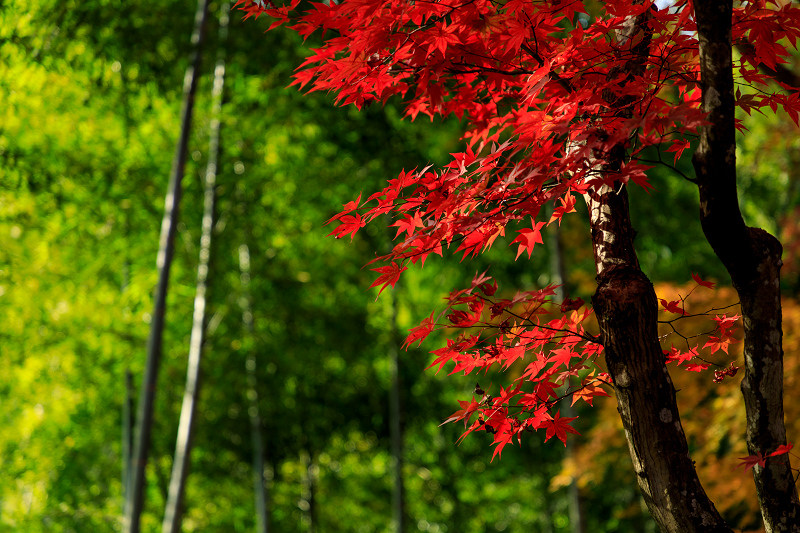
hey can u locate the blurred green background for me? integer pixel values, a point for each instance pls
(90, 96)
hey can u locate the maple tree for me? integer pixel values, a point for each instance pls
(565, 99)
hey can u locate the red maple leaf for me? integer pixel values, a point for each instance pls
(699, 281)
(559, 427)
(782, 449)
(389, 275)
(546, 389)
(503, 435)
(420, 332)
(697, 367)
(528, 238)
(724, 322)
(408, 224)
(672, 307)
(350, 224)
(588, 391)
(675, 355)
(468, 408)
(567, 206)
(678, 146)
(716, 344)
(346, 208)
(562, 356)
(571, 304)
(752, 460)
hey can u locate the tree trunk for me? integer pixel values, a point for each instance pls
(183, 445)
(144, 418)
(260, 490)
(127, 436)
(308, 490)
(396, 429)
(626, 308)
(558, 276)
(753, 260)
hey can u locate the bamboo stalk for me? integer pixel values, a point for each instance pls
(577, 521)
(396, 429)
(260, 490)
(127, 436)
(144, 419)
(183, 445)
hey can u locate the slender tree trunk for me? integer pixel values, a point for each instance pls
(558, 276)
(183, 445)
(127, 436)
(546, 518)
(260, 489)
(127, 406)
(144, 418)
(162, 480)
(307, 491)
(396, 429)
(626, 308)
(753, 259)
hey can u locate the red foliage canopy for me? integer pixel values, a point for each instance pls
(547, 90)
(550, 94)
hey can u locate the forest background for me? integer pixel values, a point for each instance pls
(90, 96)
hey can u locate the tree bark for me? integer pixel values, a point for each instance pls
(626, 308)
(753, 260)
(144, 418)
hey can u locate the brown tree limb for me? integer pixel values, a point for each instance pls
(753, 260)
(626, 307)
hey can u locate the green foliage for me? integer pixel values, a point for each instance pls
(86, 142)
(91, 92)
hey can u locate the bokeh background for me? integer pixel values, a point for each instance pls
(90, 96)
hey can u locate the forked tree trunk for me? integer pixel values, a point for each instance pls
(144, 418)
(753, 260)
